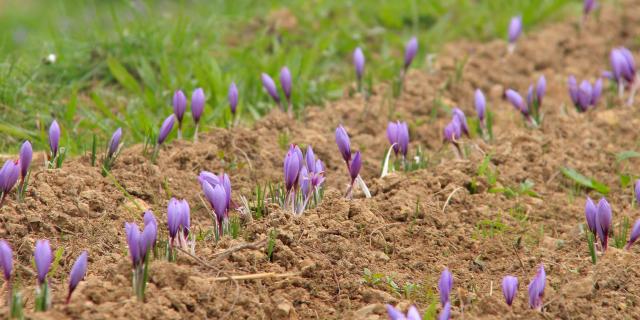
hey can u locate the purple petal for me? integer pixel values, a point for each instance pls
(78, 271)
(43, 258)
(54, 138)
(233, 97)
(197, 104)
(26, 154)
(179, 104)
(285, 82)
(358, 62)
(165, 129)
(6, 260)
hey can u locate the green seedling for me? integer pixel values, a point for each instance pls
(584, 181)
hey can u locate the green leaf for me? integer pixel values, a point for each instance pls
(626, 155)
(585, 181)
(122, 75)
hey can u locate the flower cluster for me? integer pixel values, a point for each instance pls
(586, 95)
(354, 164)
(303, 178)
(217, 190)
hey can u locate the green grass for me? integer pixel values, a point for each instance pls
(118, 62)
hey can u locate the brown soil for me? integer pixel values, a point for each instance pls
(323, 253)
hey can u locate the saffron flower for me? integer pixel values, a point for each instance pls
(452, 133)
(78, 271)
(635, 234)
(217, 190)
(9, 175)
(43, 258)
(536, 289)
(140, 244)
(344, 144)
(6, 260)
(358, 63)
(509, 288)
(354, 168)
(303, 178)
(396, 314)
(515, 29)
(585, 96)
(410, 51)
(232, 96)
(165, 129)
(446, 312)
(444, 286)
(637, 191)
(197, 108)
(398, 135)
(26, 155)
(149, 218)
(590, 212)
(178, 224)
(458, 115)
(112, 151)
(54, 139)
(270, 86)
(587, 7)
(292, 166)
(286, 84)
(114, 143)
(179, 108)
(480, 104)
(197, 104)
(603, 222)
(624, 71)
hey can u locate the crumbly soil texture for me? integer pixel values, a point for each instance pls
(345, 259)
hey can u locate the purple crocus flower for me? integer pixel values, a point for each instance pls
(292, 167)
(43, 258)
(630, 70)
(536, 288)
(233, 97)
(148, 217)
(354, 168)
(6, 260)
(344, 145)
(541, 89)
(310, 159)
(509, 288)
(26, 154)
(458, 115)
(179, 105)
(114, 143)
(515, 29)
(444, 286)
(197, 104)
(133, 241)
(270, 86)
(452, 131)
(78, 271)
(603, 222)
(635, 234)
(9, 175)
(305, 181)
(588, 6)
(516, 100)
(481, 104)
(413, 313)
(173, 218)
(410, 51)
(394, 313)
(148, 238)
(597, 92)
(165, 129)
(446, 312)
(219, 202)
(623, 65)
(285, 82)
(398, 135)
(54, 138)
(584, 94)
(358, 62)
(572, 83)
(637, 191)
(590, 212)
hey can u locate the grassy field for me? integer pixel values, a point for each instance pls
(118, 62)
